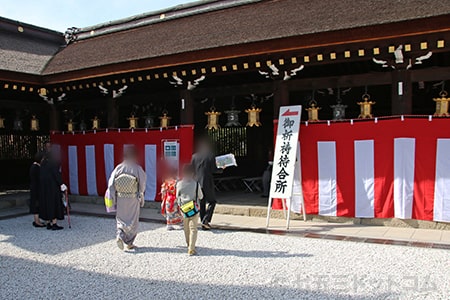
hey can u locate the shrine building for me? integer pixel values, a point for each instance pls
(224, 66)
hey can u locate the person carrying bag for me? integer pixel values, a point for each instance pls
(188, 195)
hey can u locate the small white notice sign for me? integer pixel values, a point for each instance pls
(285, 152)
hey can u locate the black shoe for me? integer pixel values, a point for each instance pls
(56, 227)
(39, 225)
(49, 226)
(206, 226)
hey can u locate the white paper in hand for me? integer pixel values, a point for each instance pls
(227, 160)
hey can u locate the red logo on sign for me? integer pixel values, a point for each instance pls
(289, 113)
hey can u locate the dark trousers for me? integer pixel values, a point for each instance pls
(206, 213)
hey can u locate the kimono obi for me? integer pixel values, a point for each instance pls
(126, 185)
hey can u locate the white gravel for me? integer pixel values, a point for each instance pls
(85, 263)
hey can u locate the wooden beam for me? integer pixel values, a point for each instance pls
(18, 104)
(112, 113)
(340, 81)
(30, 79)
(281, 96)
(431, 74)
(187, 108)
(233, 90)
(401, 92)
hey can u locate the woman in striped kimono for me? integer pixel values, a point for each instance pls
(127, 187)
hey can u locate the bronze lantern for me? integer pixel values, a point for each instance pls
(34, 123)
(133, 120)
(70, 126)
(95, 123)
(164, 119)
(441, 104)
(213, 119)
(313, 111)
(253, 116)
(365, 107)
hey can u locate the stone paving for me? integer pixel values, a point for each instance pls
(84, 263)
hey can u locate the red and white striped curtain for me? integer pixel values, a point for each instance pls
(88, 159)
(382, 168)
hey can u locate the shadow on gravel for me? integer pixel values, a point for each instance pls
(85, 232)
(202, 251)
(28, 279)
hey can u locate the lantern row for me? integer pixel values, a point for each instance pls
(442, 106)
(253, 116)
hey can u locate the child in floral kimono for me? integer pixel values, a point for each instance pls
(169, 205)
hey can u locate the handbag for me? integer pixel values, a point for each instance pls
(190, 208)
(109, 202)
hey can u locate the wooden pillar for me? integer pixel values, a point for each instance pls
(401, 101)
(113, 113)
(280, 97)
(54, 119)
(186, 108)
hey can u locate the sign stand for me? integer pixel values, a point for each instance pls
(286, 162)
(289, 199)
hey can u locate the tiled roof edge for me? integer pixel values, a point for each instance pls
(29, 26)
(164, 15)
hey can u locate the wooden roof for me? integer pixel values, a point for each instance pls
(209, 30)
(26, 48)
(239, 25)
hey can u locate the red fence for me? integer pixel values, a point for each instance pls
(88, 158)
(378, 168)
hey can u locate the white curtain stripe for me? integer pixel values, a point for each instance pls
(73, 170)
(150, 170)
(108, 151)
(297, 189)
(404, 156)
(442, 182)
(91, 174)
(364, 179)
(327, 178)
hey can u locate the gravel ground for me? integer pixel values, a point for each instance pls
(85, 263)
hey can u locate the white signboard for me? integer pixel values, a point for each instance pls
(285, 152)
(172, 153)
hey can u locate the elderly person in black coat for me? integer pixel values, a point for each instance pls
(204, 163)
(35, 175)
(51, 207)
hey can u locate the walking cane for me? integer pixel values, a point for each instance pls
(66, 193)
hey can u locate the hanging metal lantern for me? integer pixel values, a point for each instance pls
(95, 123)
(164, 120)
(442, 104)
(18, 124)
(338, 110)
(34, 123)
(232, 118)
(366, 107)
(2, 122)
(149, 122)
(213, 119)
(313, 111)
(70, 126)
(83, 125)
(253, 116)
(133, 121)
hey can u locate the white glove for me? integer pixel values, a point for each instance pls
(63, 187)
